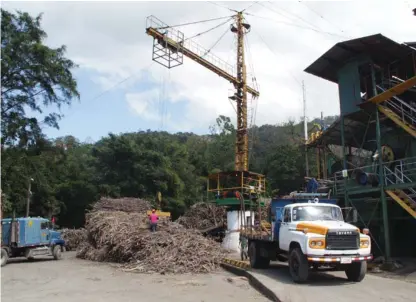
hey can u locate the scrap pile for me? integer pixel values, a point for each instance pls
(203, 216)
(118, 231)
(73, 238)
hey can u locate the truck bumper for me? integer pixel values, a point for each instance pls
(343, 259)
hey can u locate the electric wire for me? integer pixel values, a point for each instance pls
(220, 5)
(191, 23)
(322, 17)
(292, 14)
(299, 26)
(250, 6)
(112, 87)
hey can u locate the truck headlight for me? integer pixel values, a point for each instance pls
(364, 243)
(317, 243)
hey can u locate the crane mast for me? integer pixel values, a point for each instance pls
(169, 47)
(241, 152)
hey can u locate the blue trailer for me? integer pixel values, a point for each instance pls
(29, 237)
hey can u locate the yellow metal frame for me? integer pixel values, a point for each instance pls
(395, 118)
(258, 179)
(401, 202)
(398, 89)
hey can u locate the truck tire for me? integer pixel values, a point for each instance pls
(257, 261)
(298, 265)
(4, 257)
(57, 252)
(356, 271)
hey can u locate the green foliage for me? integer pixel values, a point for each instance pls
(67, 176)
(33, 76)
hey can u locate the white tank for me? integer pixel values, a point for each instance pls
(232, 235)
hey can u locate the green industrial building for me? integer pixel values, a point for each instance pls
(368, 156)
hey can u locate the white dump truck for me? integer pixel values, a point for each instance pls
(309, 235)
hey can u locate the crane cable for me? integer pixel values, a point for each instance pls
(191, 23)
(208, 30)
(215, 44)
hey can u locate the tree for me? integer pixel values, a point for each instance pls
(33, 76)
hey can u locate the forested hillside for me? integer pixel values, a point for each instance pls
(66, 175)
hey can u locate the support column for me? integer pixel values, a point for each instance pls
(382, 193)
(381, 174)
(344, 162)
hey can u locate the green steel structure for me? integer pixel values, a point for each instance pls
(373, 141)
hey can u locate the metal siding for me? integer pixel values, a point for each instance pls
(32, 234)
(22, 232)
(349, 88)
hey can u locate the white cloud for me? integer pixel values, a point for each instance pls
(109, 39)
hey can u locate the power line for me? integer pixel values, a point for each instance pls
(322, 17)
(299, 26)
(251, 5)
(294, 15)
(195, 22)
(220, 5)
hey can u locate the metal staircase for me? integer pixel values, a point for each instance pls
(406, 198)
(400, 112)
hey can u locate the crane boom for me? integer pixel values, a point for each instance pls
(175, 46)
(169, 47)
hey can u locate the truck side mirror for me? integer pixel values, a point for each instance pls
(354, 215)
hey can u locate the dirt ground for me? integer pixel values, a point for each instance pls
(71, 279)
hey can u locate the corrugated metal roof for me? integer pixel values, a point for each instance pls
(380, 48)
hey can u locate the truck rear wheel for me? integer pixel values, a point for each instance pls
(257, 261)
(57, 252)
(4, 257)
(298, 265)
(356, 271)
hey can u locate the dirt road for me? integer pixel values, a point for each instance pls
(72, 280)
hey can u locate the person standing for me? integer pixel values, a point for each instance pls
(153, 220)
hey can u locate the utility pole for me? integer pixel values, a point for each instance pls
(305, 125)
(29, 195)
(241, 158)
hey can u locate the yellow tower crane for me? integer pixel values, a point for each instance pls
(169, 47)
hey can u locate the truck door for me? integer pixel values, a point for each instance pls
(44, 232)
(284, 232)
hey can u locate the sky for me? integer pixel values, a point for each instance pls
(123, 90)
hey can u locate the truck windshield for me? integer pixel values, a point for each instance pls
(314, 212)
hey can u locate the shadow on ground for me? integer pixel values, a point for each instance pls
(280, 272)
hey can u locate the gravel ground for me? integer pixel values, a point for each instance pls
(71, 279)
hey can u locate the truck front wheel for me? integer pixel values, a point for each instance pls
(298, 265)
(57, 252)
(356, 271)
(4, 257)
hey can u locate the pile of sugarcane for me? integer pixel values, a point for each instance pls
(203, 215)
(125, 237)
(73, 238)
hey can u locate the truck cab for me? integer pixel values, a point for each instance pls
(311, 235)
(29, 237)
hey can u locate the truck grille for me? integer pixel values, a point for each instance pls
(342, 240)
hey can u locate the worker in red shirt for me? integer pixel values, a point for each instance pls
(153, 220)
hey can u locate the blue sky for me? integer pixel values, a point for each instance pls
(108, 41)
